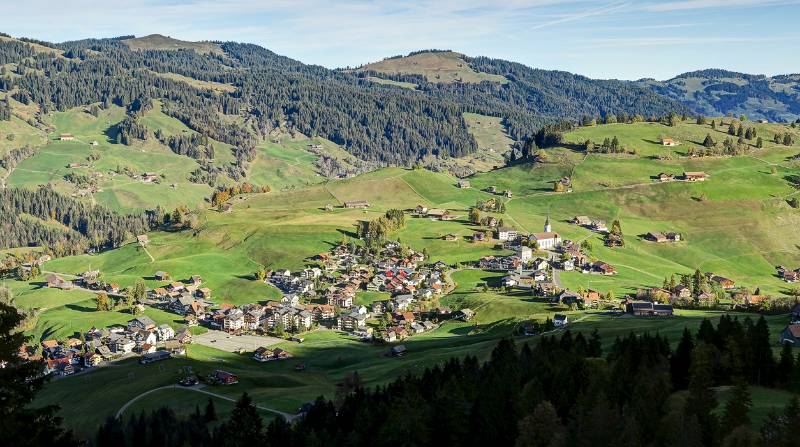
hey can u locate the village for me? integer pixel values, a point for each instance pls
(325, 295)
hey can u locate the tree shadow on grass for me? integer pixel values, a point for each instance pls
(79, 308)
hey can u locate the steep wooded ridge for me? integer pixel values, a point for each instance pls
(372, 121)
(718, 92)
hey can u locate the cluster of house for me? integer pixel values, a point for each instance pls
(495, 190)
(140, 336)
(788, 275)
(88, 280)
(342, 273)
(434, 213)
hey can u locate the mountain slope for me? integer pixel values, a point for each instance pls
(718, 92)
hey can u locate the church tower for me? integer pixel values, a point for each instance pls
(547, 227)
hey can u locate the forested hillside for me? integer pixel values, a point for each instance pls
(264, 91)
(718, 92)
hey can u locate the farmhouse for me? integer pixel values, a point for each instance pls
(161, 276)
(560, 320)
(142, 239)
(583, 221)
(438, 213)
(479, 236)
(698, 176)
(450, 237)
(648, 309)
(142, 323)
(224, 377)
(463, 184)
(507, 193)
(664, 177)
(149, 177)
(156, 356)
(656, 237)
(66, 137)
(356, 204)
(721, 281)
(666, 141)
(421, 210)
(56, 282)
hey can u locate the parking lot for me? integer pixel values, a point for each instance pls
(234, 343)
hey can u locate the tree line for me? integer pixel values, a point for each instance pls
(560, 391)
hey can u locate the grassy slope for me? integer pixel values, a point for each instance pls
(444, 67)
(741, 229)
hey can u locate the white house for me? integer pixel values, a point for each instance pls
(165, 332)
(506, 234)
(525, 254)
(560, 320)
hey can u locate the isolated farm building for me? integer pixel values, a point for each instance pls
(648, 309)
(224, 377)
(398, 351)
(57, 282)
(463, 184)
(142, 239)
(479, 236)
(721, 281)
(356, 204)
(66, 137)
(698, 176)
(604, 268)
(599, 226)
(438, 213)
(666, 141)
(508, 193)
(560, 320)
(656, 237)
(673, 237)
(450, 237)
(664, 177)
(421, 210)
(161, 276)
(149, 177)
(465, 314)
(791, 335)
(583, 221)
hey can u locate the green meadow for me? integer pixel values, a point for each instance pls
(737, 224)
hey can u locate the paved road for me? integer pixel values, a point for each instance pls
(198, 389)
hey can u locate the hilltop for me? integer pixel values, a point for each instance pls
(443, 67)
(159, 42)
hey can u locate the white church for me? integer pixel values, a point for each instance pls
(548, 239)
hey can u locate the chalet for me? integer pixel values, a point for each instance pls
(695, 176)
(421, 210)
(668, 142)
(508, 193)
(56, 282)
(438, 213)
(656, 237)
(791, 276)
(567, 297)
(479, 236)
(161, 276)
(91, 359)
(664, 177)
(142, 323)
(450, 237)
(398, 351)
(721, 281)
(463, 184)
(104, 352)
(604, 268)
(465, 314)
(674, 237)
(790, 335)
(491, 221)
(142, 239)
(492, 189)
(591, 298)
(506, 234)
(560, 320)
(224, 377)
(583, 221)
(66, 137)
(356, 204)
(74, 165)
(681, 291)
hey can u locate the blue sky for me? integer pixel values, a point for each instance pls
(621, 39)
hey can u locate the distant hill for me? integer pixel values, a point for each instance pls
(443, 67)
(718, 92)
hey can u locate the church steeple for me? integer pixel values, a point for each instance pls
(547, 227)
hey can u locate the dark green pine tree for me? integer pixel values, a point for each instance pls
(681, 360)
(785, 369)
(732, 129)
(701, 400)
(737, 407)
(21, 425)
(244, 425)
(708, 142)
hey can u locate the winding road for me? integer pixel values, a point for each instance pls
(198, 389)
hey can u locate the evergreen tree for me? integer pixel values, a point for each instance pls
(737, 407)
(708, 142)
(244, 425)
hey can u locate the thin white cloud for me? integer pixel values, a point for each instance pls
(583, 15)
(704, 4)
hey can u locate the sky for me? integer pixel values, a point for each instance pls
(621, 39)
